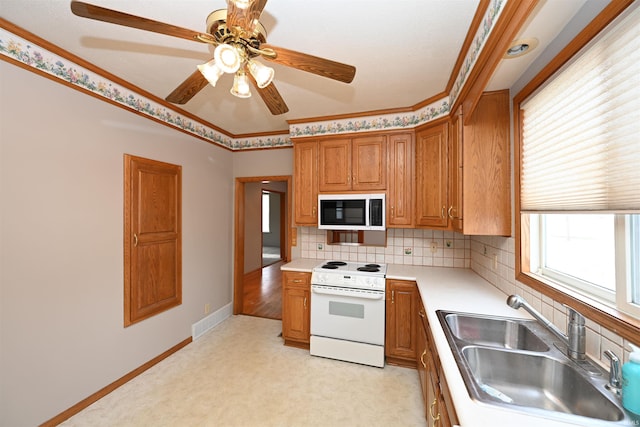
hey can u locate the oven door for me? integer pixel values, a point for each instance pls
(348, 314)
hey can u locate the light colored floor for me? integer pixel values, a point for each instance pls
(240, 374)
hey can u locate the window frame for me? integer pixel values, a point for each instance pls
(609, 317)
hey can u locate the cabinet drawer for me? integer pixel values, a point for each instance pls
(297, 279)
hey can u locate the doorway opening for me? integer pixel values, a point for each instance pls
(261, 242)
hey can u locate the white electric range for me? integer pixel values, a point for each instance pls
(348, 312)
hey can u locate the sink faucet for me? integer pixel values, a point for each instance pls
(615, 383)
(576, 337)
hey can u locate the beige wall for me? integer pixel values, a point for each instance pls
(61, 269)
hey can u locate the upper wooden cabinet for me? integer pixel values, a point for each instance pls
(305, 175)
(400, 177)
(432, 175)
(353, 164)
(480, 182)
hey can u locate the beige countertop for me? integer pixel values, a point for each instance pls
(456, 289)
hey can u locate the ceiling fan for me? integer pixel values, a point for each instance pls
(239, 39)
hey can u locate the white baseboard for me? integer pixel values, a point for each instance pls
(211, 321)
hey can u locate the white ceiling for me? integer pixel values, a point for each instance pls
(404, 51)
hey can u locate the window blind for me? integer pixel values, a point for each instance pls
(581, 131)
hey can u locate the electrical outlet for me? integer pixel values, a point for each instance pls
(448, 244)
(207, 308)
(495, 261)
(484, 250)
(407, 251)
(434, 247)
(320, 247)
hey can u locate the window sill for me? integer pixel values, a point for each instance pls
(608, 317)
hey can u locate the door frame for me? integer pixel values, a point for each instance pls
(239, 223)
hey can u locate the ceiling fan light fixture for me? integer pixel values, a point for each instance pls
(263, 74)
(211, 71)
(227, 58)
(240, 86)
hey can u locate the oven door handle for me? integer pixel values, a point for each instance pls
(347, 293)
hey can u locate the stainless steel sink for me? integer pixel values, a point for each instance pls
(518, 364)
(495, 332)
(538, 382)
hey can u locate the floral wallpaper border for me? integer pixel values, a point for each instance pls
(28, 53)
(371, 123)
(425, 114)
(488, 22)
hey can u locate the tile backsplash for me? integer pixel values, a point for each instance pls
(493, 258)
(404, 246)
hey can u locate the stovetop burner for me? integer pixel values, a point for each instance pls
(333, 265)
(352, 267)
(370, 268)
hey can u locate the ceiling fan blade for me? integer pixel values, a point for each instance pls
(255, 10)
(311, 64)
(245, 18)
(188, 88)
(86, 10)
(271, 97)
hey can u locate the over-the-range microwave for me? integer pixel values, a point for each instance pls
(351, 211)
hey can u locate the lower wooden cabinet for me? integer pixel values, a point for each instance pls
(296, 308)
(401, 322)
(439, 410)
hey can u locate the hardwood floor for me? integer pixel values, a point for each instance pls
(263, 293)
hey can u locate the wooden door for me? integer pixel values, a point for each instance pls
(152, 238)
(305, 154)
(400, 180)
(334, 165)
(432, 176)
(369, 161)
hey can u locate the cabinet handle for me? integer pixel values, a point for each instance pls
(435, 418)
(313, 210)
(393, 212)
(393, 297)
(305, 302)
(442, 212)
(449, 212)
(424, 353)
(135, 240)
(297, 280)
(421, 313)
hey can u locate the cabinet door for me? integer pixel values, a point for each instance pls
(455, 172)
(335, 165)
(296, 306)
(402, 306)
(369, 162)
(305, 167)
(421, 356)
(400, 180)
(432, 176)
(295, 325)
